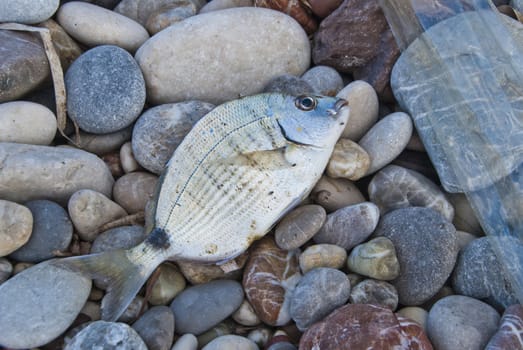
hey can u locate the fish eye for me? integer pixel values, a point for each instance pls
(306, 103)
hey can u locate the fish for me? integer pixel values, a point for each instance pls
(240, 169)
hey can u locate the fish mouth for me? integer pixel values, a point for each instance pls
(337, 107)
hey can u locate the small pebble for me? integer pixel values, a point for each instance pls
(26, 122)
(186, 342)
(134, 310)
(322, 255)
(416, 314)
(223, 328)
(464, 238)
(464, 217)
(52, 232)
(324, 80)
(289, 84)
(348, 160)
(169, 284)
(27, 11)
(197, 273)
(231, 342)
(260, 336)
(21, 266)
(333, 194)
(112, 160)
(508, 335)
(156, 328)
(107, 336)
(354, 278)
(106, 143)
(16, 225)
(215, 5)
(323, 8)
(349, 226)
(133, 190)
(376, 259)
(245, 315)
(129, 163)
(386, 139)
(374, 292)
(297, 227)
(6, 269)
(123, 237)
(169, 15)
(93, 310)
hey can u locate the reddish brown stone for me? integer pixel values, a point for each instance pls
(269, 272)
(509, 333)
(364, 326)
(297, 9)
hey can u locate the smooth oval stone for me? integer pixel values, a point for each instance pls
(322, 255)
(420, 235)
(297, 227)
(319, 292)
(129, 163)
(169, 284)
(215, 5)
(23, 64)
(386, 139)
(133, 190)
(376, 259)
(415, 313)
(94, 25)
(197, 273)
(123, 237)
(349, 226)
(508, 335)
(27, 11)
(464, 217)
(199, 308)
(231, 342)
(52, 231)
(89, 210)
(461, 322)
(374, 292)
(106, 143)
(177, 62)
(39, 304)
(479, 273)
(324, 80)
(105, 89)
(333, 194)
(161, 129)
(186, 342)
(395, 187)
(16, 225)
(364, 326)
(269, 278)
(348, 160)
(107, 336)
(26, 122)
(364, 108)
(245, 315)
(6, 269)
(156, 328)
(288, 84)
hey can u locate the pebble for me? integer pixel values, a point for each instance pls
(420, 234)
(508, 335)
(142, 10)
(199, 308)
(21, 266)
(317, 294)
(106, 143)
(464, 238)
(16, 225)
(245, 315)
(156, 328)
(364, 108)
(105, 89)
(464, 217)
(415, 313)
(134, 310)
(133, 190)
(222, 328)
(395, 187)
(260, 336)
(324, 80)
(176, 62)
(169, 284)
(215, 5)
(322, 255)
(289, 84)
(269, 278)
(479, 274)
(92, 310)
(386, 139)
(112, 160)
(159, 130)
(461, 322)
(348, 160)
(23, 64)
(129, 163)
(364, 326)
(123, 237)
(66, 48)
(39, 304)
(89, 210)
(107, 336)
(376, 259)
(349, 226)
(375, 292)
(197, 273)
(231, 342)
(52, 232)
(169, 15)
(27, 11)
(6, 269)
(323, 8)
(333, 194)
(298, 226)
(94, 25)
(186, 342)
(26, 122)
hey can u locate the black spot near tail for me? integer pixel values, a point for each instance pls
(158, 239)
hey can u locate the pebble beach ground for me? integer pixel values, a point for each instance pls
(379, 256)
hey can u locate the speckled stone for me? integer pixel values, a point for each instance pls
(461, 322)
(156, 328)
(289, 84)
(27, 11)
(420, 234)
(319, 292)
(348, 160)
(108, 336)
(395, 187)
(374, 292)
(322, 255)
(52, 231)
(161, 129)
(324, 80)
(376, 259)
(6, 269)
(231, 342)
(26, 122)
(349, 226)
(123, 237)
(297, 227)
(508, 335)
(133, 190)
(16, 225)
(105, 90)
(333, 194)
(169, 284)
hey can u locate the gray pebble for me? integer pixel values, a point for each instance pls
(479, 273)
(129, 163)
(52, 231)
(107, 336)
(461, 322)
(299, 226)
(199, 308)
(374, 292)
(375, 258)
(289, 84)
(134, 310)
(160, 129)
(106, 143)
(133, 190)
(39, 304)
(123, 237)
(426, 247)
(231, 342)
(333, 194)
(349, 226)
(16, 225)
(395, 187)
(6, 269)
(318, 292)
(324, 80)
(186, 342)
(156, 328)
(27, 11)
(105, 90)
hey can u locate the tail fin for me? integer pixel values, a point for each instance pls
(125, 271)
